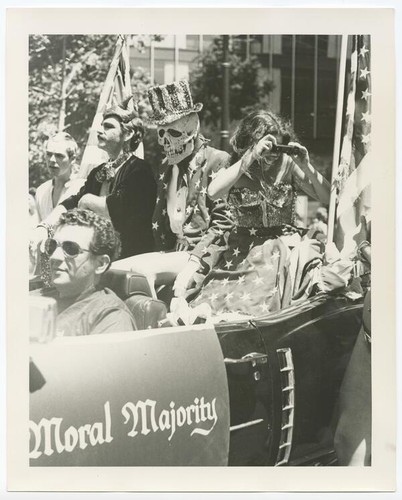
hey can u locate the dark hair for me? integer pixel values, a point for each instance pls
(255, 126)
(127, 114)
(137, 127)
(105, 240)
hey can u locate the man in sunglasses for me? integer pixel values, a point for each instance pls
(81, 250)
(122, 189)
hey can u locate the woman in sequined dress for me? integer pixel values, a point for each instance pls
(254, 276)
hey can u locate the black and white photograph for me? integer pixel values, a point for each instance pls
(199, 249)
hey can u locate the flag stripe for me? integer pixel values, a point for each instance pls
(353, 176)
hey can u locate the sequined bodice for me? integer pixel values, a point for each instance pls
(266, 206)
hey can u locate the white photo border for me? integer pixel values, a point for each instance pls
(377, 22)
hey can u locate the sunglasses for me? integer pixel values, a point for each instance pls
(70, 248)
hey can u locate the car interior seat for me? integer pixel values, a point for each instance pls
(133, 288)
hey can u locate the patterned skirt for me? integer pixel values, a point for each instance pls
(252, 278)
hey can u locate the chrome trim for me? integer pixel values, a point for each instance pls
(285, 359)
(246, 424)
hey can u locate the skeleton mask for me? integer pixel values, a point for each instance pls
(177, 138)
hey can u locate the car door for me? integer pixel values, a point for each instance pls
(250, 393)
(309, 347)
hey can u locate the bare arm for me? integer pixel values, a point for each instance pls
(311, 181)
(228, 177)
(95, 203)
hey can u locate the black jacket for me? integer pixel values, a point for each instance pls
(130, 203)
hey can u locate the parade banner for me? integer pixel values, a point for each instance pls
(155, 398)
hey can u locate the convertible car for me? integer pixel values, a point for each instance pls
(251, 392)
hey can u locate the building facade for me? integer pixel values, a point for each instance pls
(303, 69)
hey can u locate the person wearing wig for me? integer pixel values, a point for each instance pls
(188, 226)
(262, 182)
(122, 189)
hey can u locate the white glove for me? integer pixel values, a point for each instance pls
(185, 277)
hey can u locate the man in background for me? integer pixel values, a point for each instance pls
(61, 155)
(122, 189)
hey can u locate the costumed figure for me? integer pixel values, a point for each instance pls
(188, 226)
(122, 189)
(259, 273)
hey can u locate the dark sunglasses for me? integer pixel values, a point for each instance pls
(70, 248)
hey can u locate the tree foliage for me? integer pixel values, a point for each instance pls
(248, 87)
(82, 62)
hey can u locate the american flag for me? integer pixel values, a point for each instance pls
(354, 171)
(116, 89)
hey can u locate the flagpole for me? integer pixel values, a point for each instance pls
(103, 99)
(337, 140)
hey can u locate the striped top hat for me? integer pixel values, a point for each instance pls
(171, 102)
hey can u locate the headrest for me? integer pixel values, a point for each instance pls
(124, 284)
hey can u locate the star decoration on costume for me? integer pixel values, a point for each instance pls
(161, 177)
(225, 281)
(163, 237)
(245, 296)
(276, 255)
(198, 184)
(228, 213)
(363, 51)
(228, 296)
(188, 210)
(213, 297)
(213, 175)
(196, 209)
(240, 280)
(253, 231)
(258, 280)
(229, 264)
(365, 94)
(203, 191)
(155, 225)
(165, 186)
(364, 72)
(236, 252)
(264, 307)
(186, 227)
(366, 139)
(158, 199)
(218, 201)
(164, 211)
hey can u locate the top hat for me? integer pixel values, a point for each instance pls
(171, 102)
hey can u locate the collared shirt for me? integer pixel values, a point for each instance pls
(176, 201)
(44, 195)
